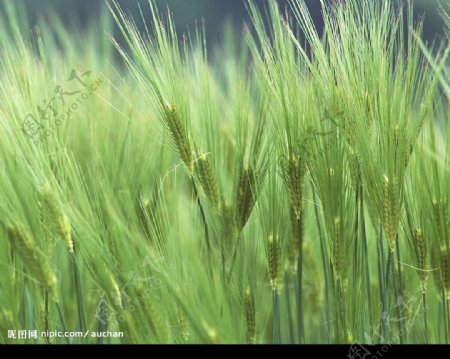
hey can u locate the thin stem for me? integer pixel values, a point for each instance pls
(289, 306)
(439, 319)
(276, 328)
(223, 257)
(46, 316)
(202, 215)
(324, 266)
(340, 318)
(356, 230)
(366, 260)
(400, 293)
(301, 331)
(323, 335)
(385, 312)
(425, 315)
(382, 255)
(444, 311)
(233, 258)
(446, 304)
(61, 318)
(398, 299)
(380, 266)
(79, 293)
(205, 226)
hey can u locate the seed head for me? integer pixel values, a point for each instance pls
(35, 261)
(208, 181)
(273, 250)
(250, 316)
(392, 206)
(293, 174)
(55, 218)
(246, 196)
(180, 137)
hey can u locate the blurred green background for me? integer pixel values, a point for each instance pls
(186, 12)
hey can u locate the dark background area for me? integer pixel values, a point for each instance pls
(186, 12)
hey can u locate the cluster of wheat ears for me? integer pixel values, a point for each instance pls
(286, 186)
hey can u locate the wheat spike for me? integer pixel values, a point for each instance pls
(183, 324)
(208, 181)
(56, 219)
(155, 316)
(437, 218)
(392, 205)
(355, 168)
(116, 291)
(250, 316)
(35, 261)
(445, 269)
(273, 249)
(338, 248)
(421, 254)
(293, 244)
(229, 219)
(180, 137)
(293, 173)
(246, 196)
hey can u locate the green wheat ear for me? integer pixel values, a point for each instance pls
(392, 207)
(338, 248)
(250, 316)
(445, 268)
(421, 255)
(293, 243)
(246, 196)
(229, 222)
(155, 316)
(355, 167)
(115, 291)
(293, 171)
(208, 181)
(180, 137)
(55, 218)
(273, 250)
(35, 261)
(182, 323)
